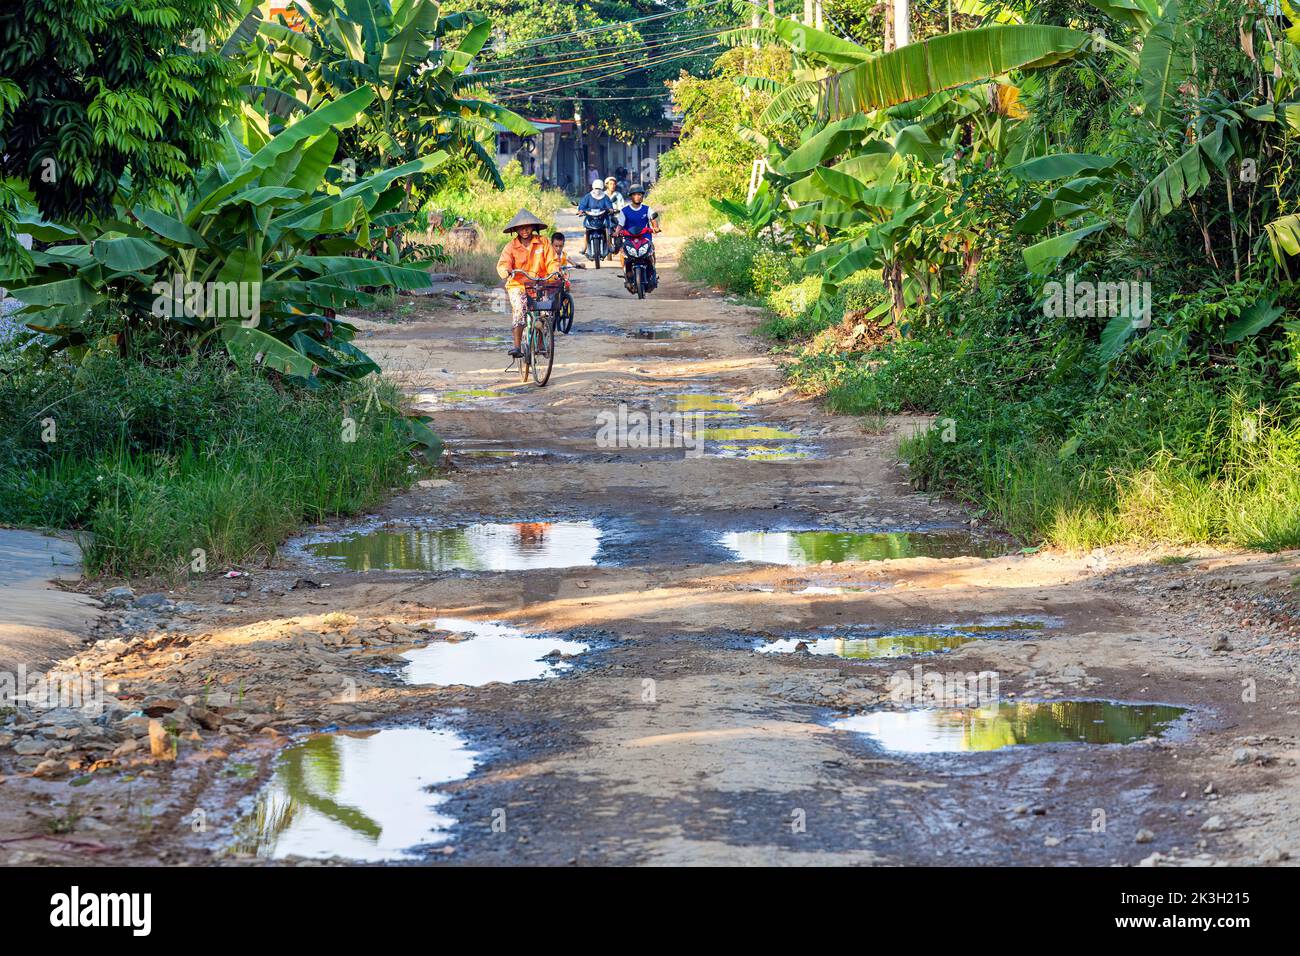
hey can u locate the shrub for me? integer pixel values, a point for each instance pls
(155, 462)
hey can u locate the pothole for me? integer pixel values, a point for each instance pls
(487, 653)
(667, 330)
(866, 648)
(798, 548)
(356, 795)
(1022, 723)
(485, 546)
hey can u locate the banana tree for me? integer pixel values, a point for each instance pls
(256, 256)
(414, 59)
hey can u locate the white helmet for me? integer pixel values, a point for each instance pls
(598, 184)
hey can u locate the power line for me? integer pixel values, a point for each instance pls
(498, 72)
(597, 79)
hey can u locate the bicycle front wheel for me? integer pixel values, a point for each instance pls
(543, 348)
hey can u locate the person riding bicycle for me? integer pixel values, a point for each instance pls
(557, 246)
(529, 251)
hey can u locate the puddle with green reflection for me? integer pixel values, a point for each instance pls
(746, 433)
(694, 402)
(814, 547)
(468, 394)
(359, 795)
(1016, 724)
(477, 547)
(761, 452)
(869, 648)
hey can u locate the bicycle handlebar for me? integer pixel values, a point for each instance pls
(529, 275)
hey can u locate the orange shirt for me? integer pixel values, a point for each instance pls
(535, 257)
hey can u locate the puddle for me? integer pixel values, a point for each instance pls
(1013, 724)
(869, 648)
(761, 452)
(489, 343)
(357, 795)
(729, 433)
(708, 404)
(814, 547)
(667, 330)
(489, 654)
(461, 395)
(476, 547)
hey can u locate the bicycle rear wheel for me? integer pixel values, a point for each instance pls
(543, 352)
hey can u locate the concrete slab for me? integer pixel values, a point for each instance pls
(39, 622)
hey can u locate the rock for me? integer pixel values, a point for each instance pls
(1051, 841)
(1214, 824)
(1252, 755)
(50, 768)
(1144, 836)
(126, 747)
(119, 596)
(160, 745)
(158, 706)
(31, 746)
(155, 600)
(1221, 644)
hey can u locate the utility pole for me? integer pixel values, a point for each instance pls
(807, 13)
(902, 24)
(817, 14)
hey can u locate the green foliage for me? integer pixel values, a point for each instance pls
(99, 94)
(257, 255)
(153, 462)
(462, 196)
(725, 261)
(413, 59)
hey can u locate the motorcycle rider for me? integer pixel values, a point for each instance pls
(611, 190)
(595, 202)
(636, 217)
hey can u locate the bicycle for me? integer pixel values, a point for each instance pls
(541, 317)
(565, 320)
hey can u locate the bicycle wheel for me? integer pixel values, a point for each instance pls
(526, 347)
(565, 321)
(543, 339)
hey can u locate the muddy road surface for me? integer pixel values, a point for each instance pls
(666, 611)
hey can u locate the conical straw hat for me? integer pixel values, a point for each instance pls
(524, 218)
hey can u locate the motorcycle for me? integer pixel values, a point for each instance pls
(639, 275)
(597, 235)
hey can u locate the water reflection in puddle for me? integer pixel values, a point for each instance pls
(756, 452)
(1013, 724)
(491, 653)
(476, 547)
(814, 547)
(356, 795)
(667, 330)
(869, 648)
(708, 404)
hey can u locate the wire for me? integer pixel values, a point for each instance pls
(596, 79)
(614, 26)
(498, 73)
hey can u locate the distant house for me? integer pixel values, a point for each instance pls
(554, 156)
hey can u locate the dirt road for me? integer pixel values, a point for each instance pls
(662, 709)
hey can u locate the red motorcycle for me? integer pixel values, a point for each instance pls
(639, 275)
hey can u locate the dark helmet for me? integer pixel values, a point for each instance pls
(636, 188)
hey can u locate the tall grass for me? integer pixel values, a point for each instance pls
(160, 467)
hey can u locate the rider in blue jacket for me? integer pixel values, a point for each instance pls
(595, 202)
